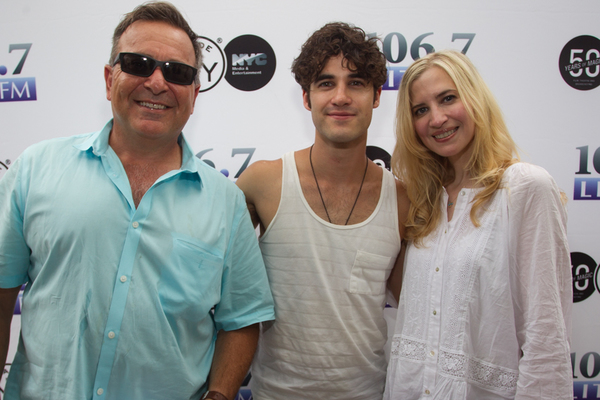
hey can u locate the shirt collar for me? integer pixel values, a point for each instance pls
(97, 143)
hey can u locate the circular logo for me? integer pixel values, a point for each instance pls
(579, 62)
(213, 64)
(583, 268)
(251, 62)
(379, 156)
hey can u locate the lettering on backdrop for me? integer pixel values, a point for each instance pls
(251, 63)
(213, 63)
(587, 366)
(378, 155)
(587, 180)
(17, 88)
(395, 48)
(579, 62)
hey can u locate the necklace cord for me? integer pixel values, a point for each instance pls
(321, 195)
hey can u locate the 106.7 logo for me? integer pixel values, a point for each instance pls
(588, 366)
(587, 187)
(395, 48)
(17, 89)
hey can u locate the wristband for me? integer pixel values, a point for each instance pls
(211, 394)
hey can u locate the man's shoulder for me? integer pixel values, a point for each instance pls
(260, 173)
(264, 168)
(55, 149)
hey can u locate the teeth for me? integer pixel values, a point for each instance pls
(445, 134)
(153, 106)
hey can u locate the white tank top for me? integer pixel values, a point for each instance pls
(329, 287)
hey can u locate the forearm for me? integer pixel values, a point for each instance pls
(234, 351)
(394, 282)
(8, 297)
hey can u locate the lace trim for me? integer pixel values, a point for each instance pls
(407, 348)
(459, 366)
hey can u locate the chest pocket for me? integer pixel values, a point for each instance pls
(190, 283)
(369, 273)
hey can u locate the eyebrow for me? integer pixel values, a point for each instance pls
(324, 77)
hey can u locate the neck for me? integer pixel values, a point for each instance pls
(148, 151)
(339, 164)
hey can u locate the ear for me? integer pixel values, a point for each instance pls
(306, 99)
(377, 98)
(108, 77)
(196, 91)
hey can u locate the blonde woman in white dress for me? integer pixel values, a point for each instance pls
(485, 307)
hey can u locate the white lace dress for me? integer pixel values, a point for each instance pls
(484, 312)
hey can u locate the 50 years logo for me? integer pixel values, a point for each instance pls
(17, 88)
(579, 62)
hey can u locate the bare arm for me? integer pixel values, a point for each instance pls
(261, 184)
(8, 297)
(233, 354)
(395, 279)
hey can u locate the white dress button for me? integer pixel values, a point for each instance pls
(437, 269)
(135, 224)
(427, 391)
(434, 312)
(100, 391)
(123, 279)
(462, 192)
(432, 353)
(111, 335)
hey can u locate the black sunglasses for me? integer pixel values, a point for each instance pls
(140, 65)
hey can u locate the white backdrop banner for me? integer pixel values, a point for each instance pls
(540, 58)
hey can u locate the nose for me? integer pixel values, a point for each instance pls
(438, 117)
(340, 96)
(156, 82)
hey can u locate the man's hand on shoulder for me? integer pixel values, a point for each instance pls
(261, 184)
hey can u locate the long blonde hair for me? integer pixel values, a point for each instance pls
(425, 173)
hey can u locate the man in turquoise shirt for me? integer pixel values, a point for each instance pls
(143, 275)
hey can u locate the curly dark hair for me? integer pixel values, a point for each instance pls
(361, 54)
(157, 11)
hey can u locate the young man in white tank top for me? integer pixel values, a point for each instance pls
(331, 223)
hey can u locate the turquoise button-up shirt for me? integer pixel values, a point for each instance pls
(123, 303)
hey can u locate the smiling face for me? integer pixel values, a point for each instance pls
(341, 103)
(439, 116)
(151, 108)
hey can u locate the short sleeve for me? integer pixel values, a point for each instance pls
(245, 293)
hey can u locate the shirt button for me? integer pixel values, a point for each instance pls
(135, 224)
(111, 335)
(427, 391)
(462, 192)
(437, 270)
(432, 353)
(123, 279)
(100, 391)
(434, 312)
